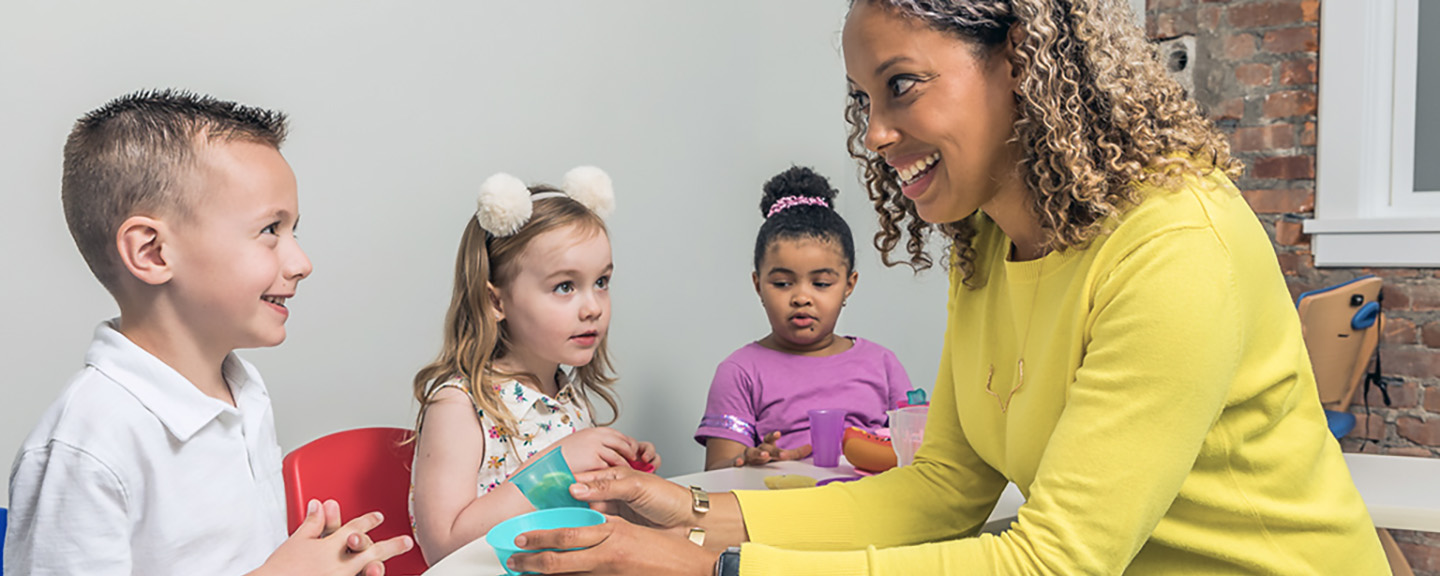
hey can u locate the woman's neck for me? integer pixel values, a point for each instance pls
(1014, 212)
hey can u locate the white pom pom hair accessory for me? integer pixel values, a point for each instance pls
(591, 187)
(505, 203)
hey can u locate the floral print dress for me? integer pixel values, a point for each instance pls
(540, 421)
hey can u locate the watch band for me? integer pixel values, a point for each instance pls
(697, 535)
(699, 500)
(728, 564)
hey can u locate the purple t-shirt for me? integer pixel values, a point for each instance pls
(757, 391)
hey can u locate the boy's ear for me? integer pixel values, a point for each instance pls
(140, 243)
(495, 307)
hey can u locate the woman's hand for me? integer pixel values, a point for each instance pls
(615, 547)
(596, 448)
(768, 452)
(639, 497)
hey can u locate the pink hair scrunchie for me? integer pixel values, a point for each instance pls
(793, 201)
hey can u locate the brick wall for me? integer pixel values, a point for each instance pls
(1255, 72)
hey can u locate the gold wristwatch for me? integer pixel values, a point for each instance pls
(699, 500)
(700, 503)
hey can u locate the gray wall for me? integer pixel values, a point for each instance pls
(399, 111)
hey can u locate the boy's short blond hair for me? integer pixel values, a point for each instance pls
(136, 155)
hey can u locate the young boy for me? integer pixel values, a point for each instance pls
(160, 456)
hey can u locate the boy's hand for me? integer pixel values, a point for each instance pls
(767, 452)
(357, 542)
(312, 552)
(596, 448)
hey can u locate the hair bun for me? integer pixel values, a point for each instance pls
(797, 181)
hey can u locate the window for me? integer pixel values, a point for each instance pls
(1377, 197)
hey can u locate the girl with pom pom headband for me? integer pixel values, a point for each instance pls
(531, 299)
(505, 203)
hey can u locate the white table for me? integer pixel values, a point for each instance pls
(753, 478)
(478, 559)
(1401, 492)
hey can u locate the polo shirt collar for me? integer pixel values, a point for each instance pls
(172, 398)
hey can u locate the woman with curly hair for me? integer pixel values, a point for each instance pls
(1121, 344)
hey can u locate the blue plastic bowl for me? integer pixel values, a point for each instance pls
(502, 536)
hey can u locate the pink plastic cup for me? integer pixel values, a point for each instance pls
(826, 429)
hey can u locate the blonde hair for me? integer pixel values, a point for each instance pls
(474, 339)
(135, 154)
(1097, 114)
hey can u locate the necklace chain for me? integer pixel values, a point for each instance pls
(1024, 343)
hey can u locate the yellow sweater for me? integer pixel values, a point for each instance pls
(1168, 422)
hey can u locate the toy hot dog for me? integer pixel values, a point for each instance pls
(867, 451)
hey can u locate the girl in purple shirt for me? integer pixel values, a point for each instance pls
(804, 271)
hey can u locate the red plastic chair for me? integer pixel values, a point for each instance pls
(364, 469)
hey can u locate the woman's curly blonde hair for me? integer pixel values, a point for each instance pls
(1097, 114)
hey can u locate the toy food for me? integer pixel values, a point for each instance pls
(867, 451)
(783, 481)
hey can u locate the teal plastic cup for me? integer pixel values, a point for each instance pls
(502, 536)
(546, 482)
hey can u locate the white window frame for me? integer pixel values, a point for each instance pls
(1366, 211)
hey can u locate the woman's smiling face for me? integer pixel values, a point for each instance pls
(941, 111)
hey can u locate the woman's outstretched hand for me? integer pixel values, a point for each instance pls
(639, 497)
(615, 547)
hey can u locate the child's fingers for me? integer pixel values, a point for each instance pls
(364, 524)
(387, 549)
(375, 568)
(314, 521)
(617, 441)
(332, 517)
(358, 542)
(649, 454)
(771, 438)
(796, 454)
(757, 455)
(613, 459)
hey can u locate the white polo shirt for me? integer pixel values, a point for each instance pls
(134, 471)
